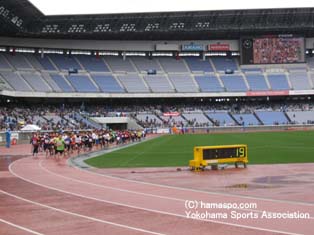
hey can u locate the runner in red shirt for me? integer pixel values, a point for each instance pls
(35, 144)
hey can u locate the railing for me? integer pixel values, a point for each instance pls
(24, 137)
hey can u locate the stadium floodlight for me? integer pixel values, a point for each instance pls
(72, 7)
(80, 52)
(51, 51)
(24, 50)
(135, 54)
(189, 54)
(152, 27)
(162, 54)
(107, 53)
(216, 53)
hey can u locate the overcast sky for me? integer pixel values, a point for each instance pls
(67, 7)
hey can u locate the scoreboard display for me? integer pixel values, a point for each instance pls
(213, 155)
(224, 153)
(273, 49)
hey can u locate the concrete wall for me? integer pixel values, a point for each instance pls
(105, 45)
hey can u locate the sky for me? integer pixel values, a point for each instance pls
(73, 7)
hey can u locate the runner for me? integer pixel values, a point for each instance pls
(47, 143)
(67, 141)
(35, 145)
(60, 146)
(78, 143)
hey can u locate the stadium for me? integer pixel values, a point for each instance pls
(141, 119)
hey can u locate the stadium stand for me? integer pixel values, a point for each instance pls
(172, 65)
(107, 83)
(174, 120)
(301, 117)
(197, 65)
(144, 64)
(223, 64)
(34, 62)
(118, 65)
(92, 64)
(251, 69)
(4, 64)
(197, 119)
(4, 85)
(62, 83)
(272, 117)
(310, 62)
(278, 81)
(256, 82)
(234, 82)
(82, 83)
(208, 83)
(36, 82)
(221, 118)
(299, 80)
(246, 119)
(46, 63)
(16, 81)
(158, 83)
(64, 62)
(18, 61)
(183, 82)
(51, 117)
(184, 75)
(149, 119)
(133, 83)
(51, 82)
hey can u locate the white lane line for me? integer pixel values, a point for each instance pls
(20, 227)
(146, 209)
(107, 187)
(196, 190)
(129, 191)
(79, 215)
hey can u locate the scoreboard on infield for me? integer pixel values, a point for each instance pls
(213, 155)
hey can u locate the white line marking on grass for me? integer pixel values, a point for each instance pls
(79, 215)
(20, 227)
(141, 208)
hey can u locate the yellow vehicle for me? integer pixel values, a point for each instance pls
(214, 155)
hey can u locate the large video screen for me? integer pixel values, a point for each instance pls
(280, 49)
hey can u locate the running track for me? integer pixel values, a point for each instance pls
(40, 196)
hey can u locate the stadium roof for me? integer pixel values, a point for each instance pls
(21, 18)
(74, 7)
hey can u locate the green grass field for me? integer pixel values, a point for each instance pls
(177, 150)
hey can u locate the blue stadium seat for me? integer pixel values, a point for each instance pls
(62, 83)
(233, 82)
(107, 83)
(92, 64)
(257, 82)
(82, 83)
(278, 82)
(209, 83)
(198, 65)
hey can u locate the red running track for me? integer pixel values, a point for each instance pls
(40, 196)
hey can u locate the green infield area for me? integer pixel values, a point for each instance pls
(177, 150)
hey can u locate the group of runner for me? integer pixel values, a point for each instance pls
(66, 143)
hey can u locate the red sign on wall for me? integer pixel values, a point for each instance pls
(267, 93)
(219, 47)
(172, 114)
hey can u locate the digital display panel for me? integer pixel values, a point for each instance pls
(279, 49)
(220, 153)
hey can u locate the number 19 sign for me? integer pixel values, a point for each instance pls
(209, 155)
